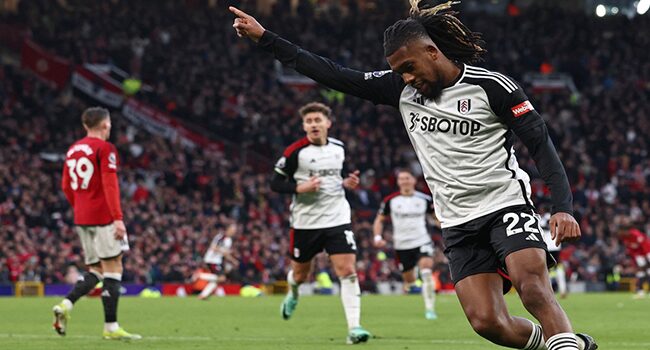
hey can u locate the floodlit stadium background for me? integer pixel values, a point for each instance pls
(201, 116)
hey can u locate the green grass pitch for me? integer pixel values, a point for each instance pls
(397, 322)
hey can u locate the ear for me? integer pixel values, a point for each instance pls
(432, 51)
(329, 123)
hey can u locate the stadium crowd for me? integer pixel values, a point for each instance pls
(176, 198)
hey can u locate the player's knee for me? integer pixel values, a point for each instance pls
(487, 324)
(345, 270)
(425, 263)
(300, 276)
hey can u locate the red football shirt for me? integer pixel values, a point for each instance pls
(636, 243)
(90, 182)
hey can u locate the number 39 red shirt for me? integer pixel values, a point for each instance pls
(90, 182)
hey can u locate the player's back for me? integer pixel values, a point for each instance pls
(85, 162)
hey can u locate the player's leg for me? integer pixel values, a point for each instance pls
(344, 267)
(641, 275)
(527, 268)
(528, 271)
(425, 264)
(408, 259)
(341, 247)
(305, 244)
(298, 274)
(517, 239)
(474, 268)
(558, 274)
(85, 284)
(487, 312)
(409, 278)
(561, 280)
(110, 252)
(213, 279)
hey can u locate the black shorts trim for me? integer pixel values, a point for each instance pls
(98, 225)
(482, 245)
(407, 259)
(305, 244)
(112, 257)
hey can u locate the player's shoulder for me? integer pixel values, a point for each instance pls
(638, 235)
(424, 196)
(391, 196)
(87, 145)
(336, 142)
(295, 147)
(490, 81)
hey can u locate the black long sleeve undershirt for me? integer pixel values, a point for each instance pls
(382, 87)
(282, 184)
(548, 163)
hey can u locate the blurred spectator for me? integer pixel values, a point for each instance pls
(177, 197)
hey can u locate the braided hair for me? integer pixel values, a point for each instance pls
(452, 37)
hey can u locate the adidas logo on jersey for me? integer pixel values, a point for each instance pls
(532, 237)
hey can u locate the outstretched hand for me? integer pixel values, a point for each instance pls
(246, 25)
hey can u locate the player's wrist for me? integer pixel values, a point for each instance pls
(377, 238)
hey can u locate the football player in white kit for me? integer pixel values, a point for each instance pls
(408, 209)
(311, 170)
(462, 121)
(219, 252)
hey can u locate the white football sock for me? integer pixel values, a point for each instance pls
(428, 289)
(111, 326)
(208, 290)
(67, 304)
(561, 279)
(293, 285)
(351, 299)
(562, 341)
(536, 340)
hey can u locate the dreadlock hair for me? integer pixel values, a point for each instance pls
(452, 37)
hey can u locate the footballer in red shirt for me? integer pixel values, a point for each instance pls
(90, 184)
(637, 245)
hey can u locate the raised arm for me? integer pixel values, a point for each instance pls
(381, 87)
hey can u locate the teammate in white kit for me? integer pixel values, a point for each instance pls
(557, 272)
(462, 120)
(311, 170)
(408, 211)
(218, 254)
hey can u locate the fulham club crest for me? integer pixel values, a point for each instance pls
(464, 106)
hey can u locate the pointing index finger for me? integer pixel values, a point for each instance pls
(238, 12)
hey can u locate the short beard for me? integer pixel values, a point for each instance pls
(435, 90)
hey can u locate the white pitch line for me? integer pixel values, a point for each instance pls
(54, 336)
(323, 340)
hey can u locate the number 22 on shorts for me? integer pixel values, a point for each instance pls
(530, 224)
